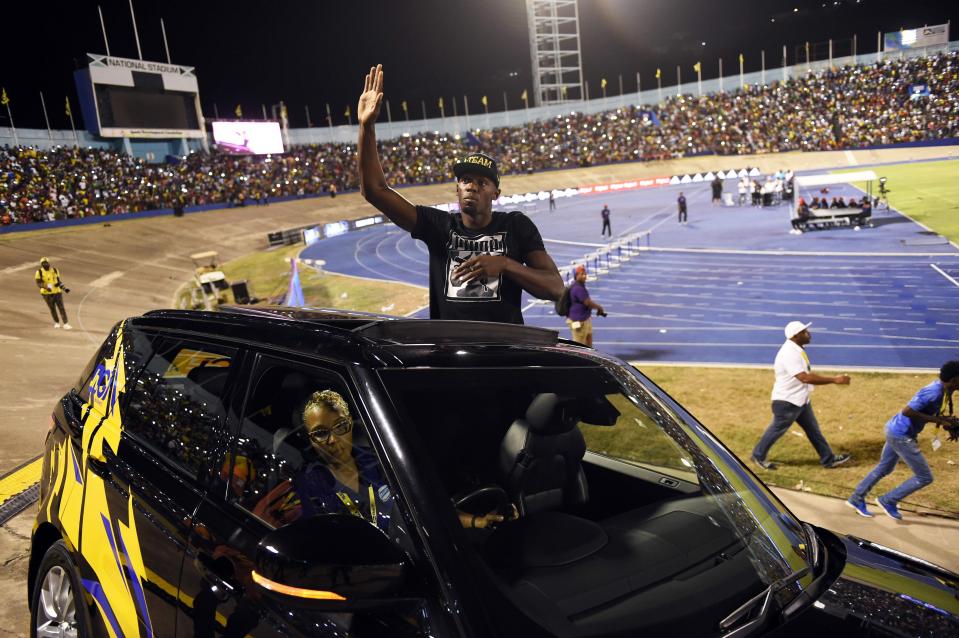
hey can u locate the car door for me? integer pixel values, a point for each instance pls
(272, 452)
(147, 465)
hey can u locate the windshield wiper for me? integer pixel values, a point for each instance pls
(765, 601)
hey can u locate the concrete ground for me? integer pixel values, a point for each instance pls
(125, 268)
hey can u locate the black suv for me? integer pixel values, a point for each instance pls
(296, 472)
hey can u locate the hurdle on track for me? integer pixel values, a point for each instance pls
(610, 256)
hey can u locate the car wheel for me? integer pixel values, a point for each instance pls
(58, 606)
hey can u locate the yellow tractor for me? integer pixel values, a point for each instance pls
(211, 283)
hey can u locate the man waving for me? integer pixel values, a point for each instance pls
(480, 259)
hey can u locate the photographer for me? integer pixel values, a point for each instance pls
(52, 289)
(931, 404)
(581, 307)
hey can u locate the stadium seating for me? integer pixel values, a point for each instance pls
(849, 107)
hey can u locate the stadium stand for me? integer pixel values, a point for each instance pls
(846, 108)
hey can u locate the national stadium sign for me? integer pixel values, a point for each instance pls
(121, 97)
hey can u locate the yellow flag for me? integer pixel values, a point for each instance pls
(348, 112)
(67, 110)
(564, 90)
(602, 83)
(697, 67)
(238, 110)
(404, 106)
(659, 73)
(3, 97)
(441, 104)
(485, 101)
(283, 111)
(524, 96)
(740, 58)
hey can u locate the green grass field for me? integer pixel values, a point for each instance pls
(733, 402)
(928, 192)
(268, 273)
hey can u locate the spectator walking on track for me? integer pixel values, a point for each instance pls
(931, 404)
(790, 399)
(743, 187)
(480, 260)
(552, 201)
(606, 225)
(681, 204)
(717, 186)
(52, 289)
(581, 308)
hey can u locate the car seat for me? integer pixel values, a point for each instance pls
(540, 464)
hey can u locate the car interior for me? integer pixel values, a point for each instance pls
(603, 545)
(273, 439)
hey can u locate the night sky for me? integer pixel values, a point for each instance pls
(254, 53)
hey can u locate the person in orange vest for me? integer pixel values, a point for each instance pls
(52, 289)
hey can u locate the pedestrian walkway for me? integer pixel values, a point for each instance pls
(930, 537)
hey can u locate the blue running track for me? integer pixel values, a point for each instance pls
(720, 289)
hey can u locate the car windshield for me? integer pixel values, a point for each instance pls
(631, 515)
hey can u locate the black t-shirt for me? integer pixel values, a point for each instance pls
(451, 243)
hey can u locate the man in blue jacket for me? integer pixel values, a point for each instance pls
(932, 404)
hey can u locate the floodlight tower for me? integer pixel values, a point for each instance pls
(554, 49)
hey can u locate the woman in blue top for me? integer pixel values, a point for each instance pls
(932, 404)
(342, 478)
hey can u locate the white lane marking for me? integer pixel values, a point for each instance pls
(12, 269)
(573, 243)
(107, 279)
(693, 344)
(800, 253)
(9, 338)
(726, 325)
(765, 366)
(388, 262)
(939, 270)
(851, 158)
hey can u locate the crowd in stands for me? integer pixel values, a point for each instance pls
(849, 107)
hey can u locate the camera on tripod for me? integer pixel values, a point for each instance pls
(882, 186)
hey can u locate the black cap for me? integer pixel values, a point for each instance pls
(479, 164)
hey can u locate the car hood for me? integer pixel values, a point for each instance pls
(893, 592)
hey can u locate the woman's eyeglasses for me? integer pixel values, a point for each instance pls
(321, 435)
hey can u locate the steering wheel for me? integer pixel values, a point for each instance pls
(484, 500)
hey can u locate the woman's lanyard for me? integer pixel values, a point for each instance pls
(353, 506)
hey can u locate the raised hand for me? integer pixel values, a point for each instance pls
(369, 106)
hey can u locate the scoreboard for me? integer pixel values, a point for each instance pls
(120, 97)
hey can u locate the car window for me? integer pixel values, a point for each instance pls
(176, 406)
(637, 438)
(658, 512)
(303, 450)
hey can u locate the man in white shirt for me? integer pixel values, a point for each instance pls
(790, 399)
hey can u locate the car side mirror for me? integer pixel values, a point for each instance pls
(333, 562)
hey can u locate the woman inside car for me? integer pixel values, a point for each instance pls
(341, 477)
